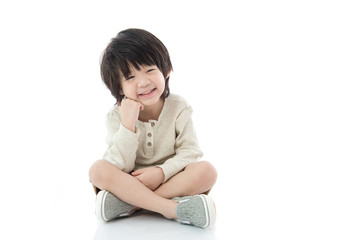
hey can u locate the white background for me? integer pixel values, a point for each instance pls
(275, 91)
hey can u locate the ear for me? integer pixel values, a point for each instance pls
(168, 74)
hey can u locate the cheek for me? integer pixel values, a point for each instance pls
(161, 82)
(127, 88)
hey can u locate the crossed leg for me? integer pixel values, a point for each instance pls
(196, 178)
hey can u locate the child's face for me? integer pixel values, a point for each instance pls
(145, 85)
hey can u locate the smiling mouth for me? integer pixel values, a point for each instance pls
(147, 92)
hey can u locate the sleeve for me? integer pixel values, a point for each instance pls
(122, 143)
(186, 146)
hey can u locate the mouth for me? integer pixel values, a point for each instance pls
(147, 93)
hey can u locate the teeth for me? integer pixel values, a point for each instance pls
(146, 92)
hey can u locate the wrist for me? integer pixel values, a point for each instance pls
(161, 172)
(130, 126)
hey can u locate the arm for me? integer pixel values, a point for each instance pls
(122, 142)
(186, 146)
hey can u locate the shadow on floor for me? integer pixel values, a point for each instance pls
(148, 225)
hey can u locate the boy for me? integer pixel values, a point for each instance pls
(151, 160)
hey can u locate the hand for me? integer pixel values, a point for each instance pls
(151, 177)
(129, 111)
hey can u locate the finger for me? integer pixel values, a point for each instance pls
(141, 106)
(127, 99)
(136, 172)
(138, 178)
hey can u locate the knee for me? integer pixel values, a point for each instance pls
(98, 172)
(206, 173)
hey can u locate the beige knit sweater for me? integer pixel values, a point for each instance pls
(170, 142)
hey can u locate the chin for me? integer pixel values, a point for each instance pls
(150, 102)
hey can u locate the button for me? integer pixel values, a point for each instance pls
(152, 124)
(149, 144)
(149, 135)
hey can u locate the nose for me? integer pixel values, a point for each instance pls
(143, 81)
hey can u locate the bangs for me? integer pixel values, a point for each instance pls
(135, 52)
(129, 59)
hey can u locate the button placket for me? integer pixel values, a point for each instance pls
(149, 137)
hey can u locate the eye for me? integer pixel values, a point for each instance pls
(129, 78)
(150, 70)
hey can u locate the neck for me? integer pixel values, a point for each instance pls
(152, 112)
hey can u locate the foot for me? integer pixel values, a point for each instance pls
(198, 210)
(109, 207)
